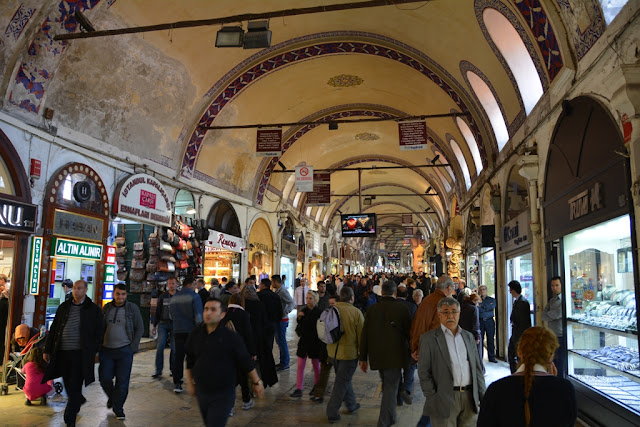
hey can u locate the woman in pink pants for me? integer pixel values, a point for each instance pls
(309, 345)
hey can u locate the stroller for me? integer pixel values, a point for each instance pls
(16, 362)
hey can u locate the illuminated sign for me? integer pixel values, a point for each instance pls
(75, 249)
(34, 271)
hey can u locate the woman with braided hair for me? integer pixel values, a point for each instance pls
(533, 396)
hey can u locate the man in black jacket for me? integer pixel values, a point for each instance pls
(520, 322)
(72, 343)
(273, 306)
(164, 325)
(385, 345)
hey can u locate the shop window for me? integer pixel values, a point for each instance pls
(463, 164)
(223, 218)
(491, 107)
(296, 199)
(515, 53)
(6, 183)
(471, 143)
(611, 8)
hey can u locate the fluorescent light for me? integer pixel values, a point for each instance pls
(230, 37)
(190, 210)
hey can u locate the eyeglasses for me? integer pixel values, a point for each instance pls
(449, 313)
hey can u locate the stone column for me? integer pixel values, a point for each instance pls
(529, 169)
(501, 293)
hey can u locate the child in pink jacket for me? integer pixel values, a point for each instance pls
(34, 371)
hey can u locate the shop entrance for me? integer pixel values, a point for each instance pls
(520, 268)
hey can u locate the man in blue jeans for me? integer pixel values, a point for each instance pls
(123, 330)
(163, 324)
(281, 333)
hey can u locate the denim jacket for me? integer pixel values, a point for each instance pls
(186, 311)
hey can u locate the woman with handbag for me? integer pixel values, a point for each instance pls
(309, 345)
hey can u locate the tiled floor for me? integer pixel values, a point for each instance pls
(152, 402)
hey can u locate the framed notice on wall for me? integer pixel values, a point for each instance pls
(60, 268)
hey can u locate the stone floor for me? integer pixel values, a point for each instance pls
(152, 402)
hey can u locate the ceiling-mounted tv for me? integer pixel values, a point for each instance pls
(393, 256)
(358, 225)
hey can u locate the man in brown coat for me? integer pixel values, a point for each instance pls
(426, 318)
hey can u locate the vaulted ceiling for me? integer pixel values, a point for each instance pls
(151, 93)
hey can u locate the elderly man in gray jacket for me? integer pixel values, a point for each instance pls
(123, 330)
(450, 371)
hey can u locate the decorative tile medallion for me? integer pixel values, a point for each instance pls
(345, 80)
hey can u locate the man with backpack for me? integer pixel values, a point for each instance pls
(344, 352)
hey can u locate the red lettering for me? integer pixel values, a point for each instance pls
(225, 243)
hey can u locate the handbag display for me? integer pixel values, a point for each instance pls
(166, 267)
(167, 258)
(184, 264)
(137, 275)
(138, 264)
(138, 246)
(165, 247)
(120, 241)
(135, 286)
(138, 254)
(153, 250)
(151, 267)
(122, 275)
(121, 251)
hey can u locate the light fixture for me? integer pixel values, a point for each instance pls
(85, 24)
(284, 168)
(257, 36)
(428, 189)
(367, 201)
(435, 159)
(190, 210)
(229, 37)
(333, 126)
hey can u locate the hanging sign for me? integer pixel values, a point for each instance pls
(17, 216)
(407, 219)
(69, 224)
(74, 249)
(382, 246)
(408, 231)
(321, 194)
(225, 241)
(304, 179)
(34, 266)
(144, 199)
(269, 142)
(516, 233)
(413, 135)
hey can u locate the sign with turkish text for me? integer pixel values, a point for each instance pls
(321, 194)
(225, 241)
(587, 201)
(111, 255)
(269, 142)
(407, 219)
(382, 246)
(289, 249)
(144, 199)
(516, 233)
(304, 179)
(18, 216)
(69, 224)
(74, 249)
(34, 267)
(413, 135)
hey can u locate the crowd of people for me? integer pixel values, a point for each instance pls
(393, 324)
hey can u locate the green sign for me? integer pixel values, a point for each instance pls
(109, 273)
(75, 249)
(34, 271)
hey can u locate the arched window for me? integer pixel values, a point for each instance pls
(471, 142)
(463, 164)
(491, 107)
(611, 8)
(512, 48)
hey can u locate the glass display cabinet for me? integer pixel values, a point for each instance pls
(602, 330)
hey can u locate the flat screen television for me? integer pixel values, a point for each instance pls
(358, 225)
(393, 256)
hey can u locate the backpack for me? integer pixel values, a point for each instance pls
(329, 326)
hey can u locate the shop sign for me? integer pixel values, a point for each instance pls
(69, 224)
(260, 247)
(225, 241)
(413, 135)
(515, 233)
(111, 255)
(75, 249)
(289, 249)
(321, 194)
(269, 142)
(34, 268)
(143, 198)
(17, 216)
(407, 219)
(304, 179)
(588, 201)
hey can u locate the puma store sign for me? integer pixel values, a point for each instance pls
(224, 241)
(144, 199)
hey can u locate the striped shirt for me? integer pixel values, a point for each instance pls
(71, 331)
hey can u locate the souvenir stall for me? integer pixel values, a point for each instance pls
(289, 254)
(76, 226)
(17, 224)
(260, 260)
(224, 246)
(481, 259)
(590, 220)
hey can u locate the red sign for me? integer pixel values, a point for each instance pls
(321, 194)
(627, 128)
(111, 255)
(35, 169)
(269, 142)
(147, 199)
(413, 135)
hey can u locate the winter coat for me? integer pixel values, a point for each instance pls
(262, 329)
(309, 344)
(91, 334)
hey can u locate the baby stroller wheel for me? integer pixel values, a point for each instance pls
(57, 387)
(5, 389)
